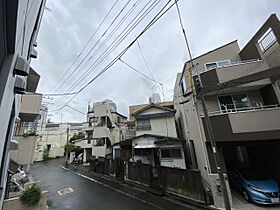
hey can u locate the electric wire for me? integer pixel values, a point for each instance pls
(149, 25)
(87, 43)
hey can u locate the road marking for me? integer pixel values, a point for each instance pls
(65, 191)
(63, 167)
(119, 191)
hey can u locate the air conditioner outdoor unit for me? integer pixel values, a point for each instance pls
(20, 86)
(21, 67)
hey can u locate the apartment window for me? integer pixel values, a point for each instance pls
(217, 64)
(267, 40)
(143, 124)
(171, 153)
(237, 102)
(142, 152)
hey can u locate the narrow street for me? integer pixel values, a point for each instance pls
(93, 194)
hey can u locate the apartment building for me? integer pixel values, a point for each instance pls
(53, 138)
(20, 21)
(241, 90)
(103, 129)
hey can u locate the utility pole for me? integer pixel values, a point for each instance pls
(67, 139)
(198, 89)
(216, 155)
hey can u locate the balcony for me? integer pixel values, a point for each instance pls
(100, 151)
(87, 126)
(254, 123)
(234, 71)
(30, 107)
(85, 143)
(100, 132)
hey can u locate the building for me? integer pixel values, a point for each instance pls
(103, 129)
(154, 98)
(241, 90)
(156, 141)
(18, 32)
(53, 138)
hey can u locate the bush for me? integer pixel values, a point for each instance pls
(46, 155)
(70, 148)
(31, 196)
(30, 133)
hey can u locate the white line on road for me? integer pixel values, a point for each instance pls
(63, 167)
(119, 191)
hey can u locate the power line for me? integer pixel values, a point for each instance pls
(89, 71)
(144, 59)
(103, 20)
(115, 43)
(98, 39)
(149, 25)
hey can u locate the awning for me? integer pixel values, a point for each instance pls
(146, 146)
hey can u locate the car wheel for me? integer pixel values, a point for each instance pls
(246, 195)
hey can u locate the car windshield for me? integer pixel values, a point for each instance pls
(252, 173)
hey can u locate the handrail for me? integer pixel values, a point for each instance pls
(244, 109)
(235, 63)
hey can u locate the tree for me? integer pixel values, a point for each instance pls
(80, 135)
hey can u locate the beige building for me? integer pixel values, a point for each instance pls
(241, 89)
(53, 138)
(103, 129)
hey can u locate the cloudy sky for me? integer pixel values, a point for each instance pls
(68, 25)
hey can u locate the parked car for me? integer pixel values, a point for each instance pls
(254, 184)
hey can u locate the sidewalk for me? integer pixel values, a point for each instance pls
(112, 181)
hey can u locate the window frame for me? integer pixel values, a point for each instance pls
(171, 153)
(234, 104)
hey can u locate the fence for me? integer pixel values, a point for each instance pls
(139, 172)
(180, 181)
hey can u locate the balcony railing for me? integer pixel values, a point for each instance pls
(144, 127)
(234, 63)
(227, 110)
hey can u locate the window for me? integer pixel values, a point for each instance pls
(217, 64)
(237, 102)
(142, 152)
(241, 101)
(267, 40)
(171, 153)
(143, 124)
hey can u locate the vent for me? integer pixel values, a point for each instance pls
(21, 67)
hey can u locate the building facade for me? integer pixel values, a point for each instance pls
(241, 90)
(103, 129)
(53, 138)
(18, 32)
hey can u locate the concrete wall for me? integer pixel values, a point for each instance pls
(26, 149)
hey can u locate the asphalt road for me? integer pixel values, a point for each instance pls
(92, 194)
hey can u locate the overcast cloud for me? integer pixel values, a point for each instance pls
(68, 25)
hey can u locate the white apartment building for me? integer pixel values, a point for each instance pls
(103, 129)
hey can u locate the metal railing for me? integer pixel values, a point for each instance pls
(243, 109)
(235, 63)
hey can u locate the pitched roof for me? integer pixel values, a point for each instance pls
(153, 106)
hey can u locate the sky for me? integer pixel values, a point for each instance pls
(66, 65)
